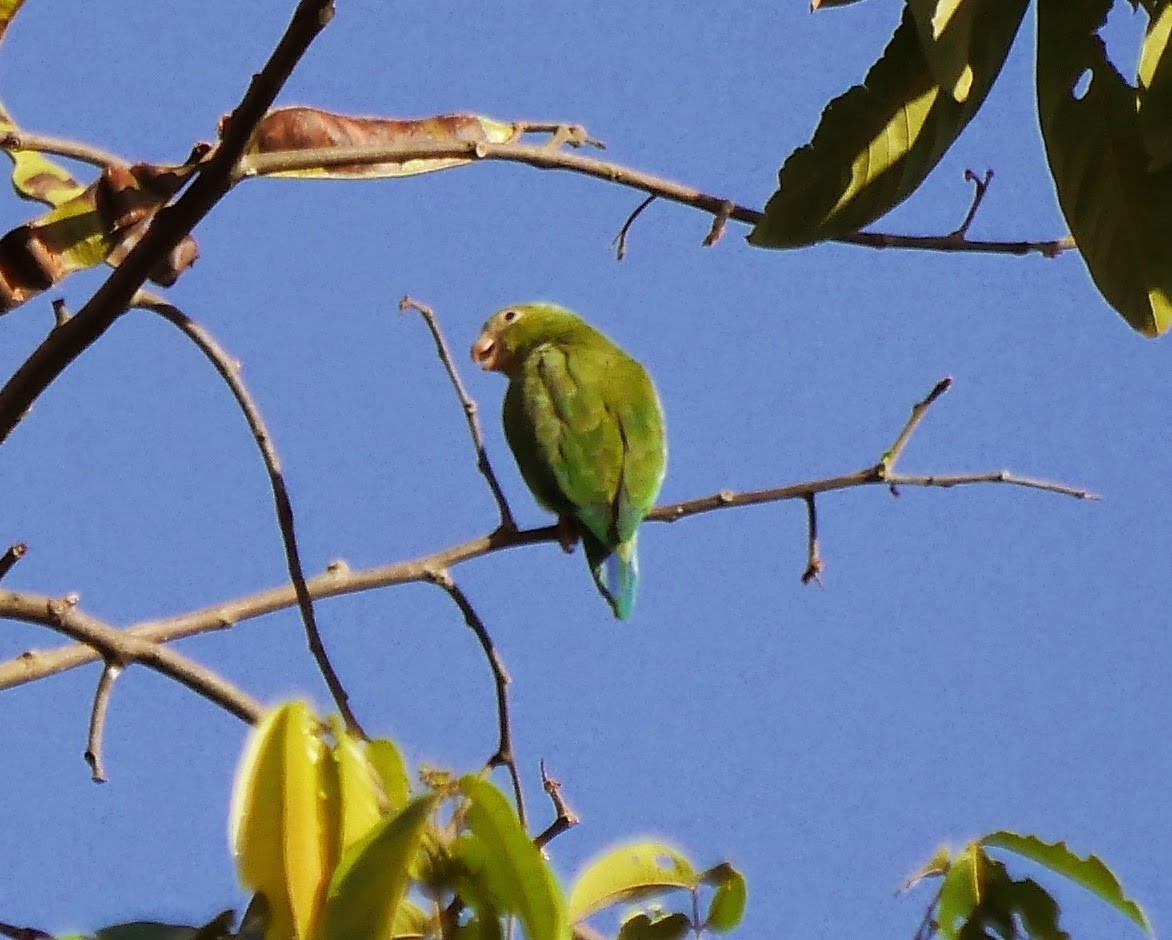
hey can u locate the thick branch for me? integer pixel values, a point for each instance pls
(547, 158)
(64, 344)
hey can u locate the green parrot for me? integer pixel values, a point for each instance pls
(585, 424)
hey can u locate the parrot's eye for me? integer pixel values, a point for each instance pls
(510, 315)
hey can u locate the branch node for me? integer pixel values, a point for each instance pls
(960, 234)
(564, 818)
(61, 314)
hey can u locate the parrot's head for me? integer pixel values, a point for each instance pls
(510, 334)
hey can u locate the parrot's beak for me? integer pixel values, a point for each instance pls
(485, 352)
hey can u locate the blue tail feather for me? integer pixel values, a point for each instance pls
(616, 573)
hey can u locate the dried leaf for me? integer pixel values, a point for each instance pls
(300, 128)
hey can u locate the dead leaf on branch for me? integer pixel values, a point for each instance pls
(100, 223)
(302, 128)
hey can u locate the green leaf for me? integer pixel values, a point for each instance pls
(959, 894)
(372, 878)
(1090, 872)
(359, 789)
(388, 763)
(1036, 908)
(278, 829)
(410, 922)
(513, 870)
(1119, 213)
(629, 873)
(946, 35)
(662, 927)
(1155, 89)
(728, 903)
(877, 143)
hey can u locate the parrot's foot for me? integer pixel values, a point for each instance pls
(567, 534)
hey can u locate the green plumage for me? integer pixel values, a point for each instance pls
(586, 427)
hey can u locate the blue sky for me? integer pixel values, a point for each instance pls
(979, 658)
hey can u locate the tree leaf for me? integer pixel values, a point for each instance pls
(8, 9)
(642, 926)
(278, 831)
(1155, 89)
(946, 37)
(371, 880)
(1090, 872)
(293, 129)
(959, 894)
(727, 906)
(877, 143)
(388, 763)
(411, 922)
(628, 873)
(359, 789)
(517, 876)
(1119, 213)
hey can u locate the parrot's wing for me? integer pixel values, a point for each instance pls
(639, 416)
(567, 441)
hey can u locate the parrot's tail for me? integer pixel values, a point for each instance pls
(616, 572)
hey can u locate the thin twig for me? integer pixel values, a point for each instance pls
(172, 223)
(229, 370)
(503, 756)
(61, 147)
(340, 579)
(981, 187)
(814, 565)
(471, 411)
(565, 818)
(919, 409)
(719, 221)
(620, 240)
(93, 748)
(551, 159)
(14, 554)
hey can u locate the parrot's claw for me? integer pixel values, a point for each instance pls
(567, 534)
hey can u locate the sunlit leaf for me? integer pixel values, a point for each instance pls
(388, 763)
(516, 874)
(1090, 872)
(216, 929)
(960, 892)
(1119, 213)
(877, 143)
(1155, 89)
(946, 29)
(728, 902)
(372, 878)
(289, 130)
(8, 10)
(359, 789)
(663, 927)
(410, 922)
(630, 873)
(278, 830)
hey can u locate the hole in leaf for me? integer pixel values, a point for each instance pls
(1083, 85)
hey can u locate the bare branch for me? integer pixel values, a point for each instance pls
(64, 344)
(565, 818)
(719, 221)
(102, 641)
(471, 411)
(620, 240)
(14, 554)
(814, 565)
(503, 757)
(61, 147)
(981, 186)
(229, 370)
(341, 579)
(546, 158)
(919, 409)
(93, 748)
